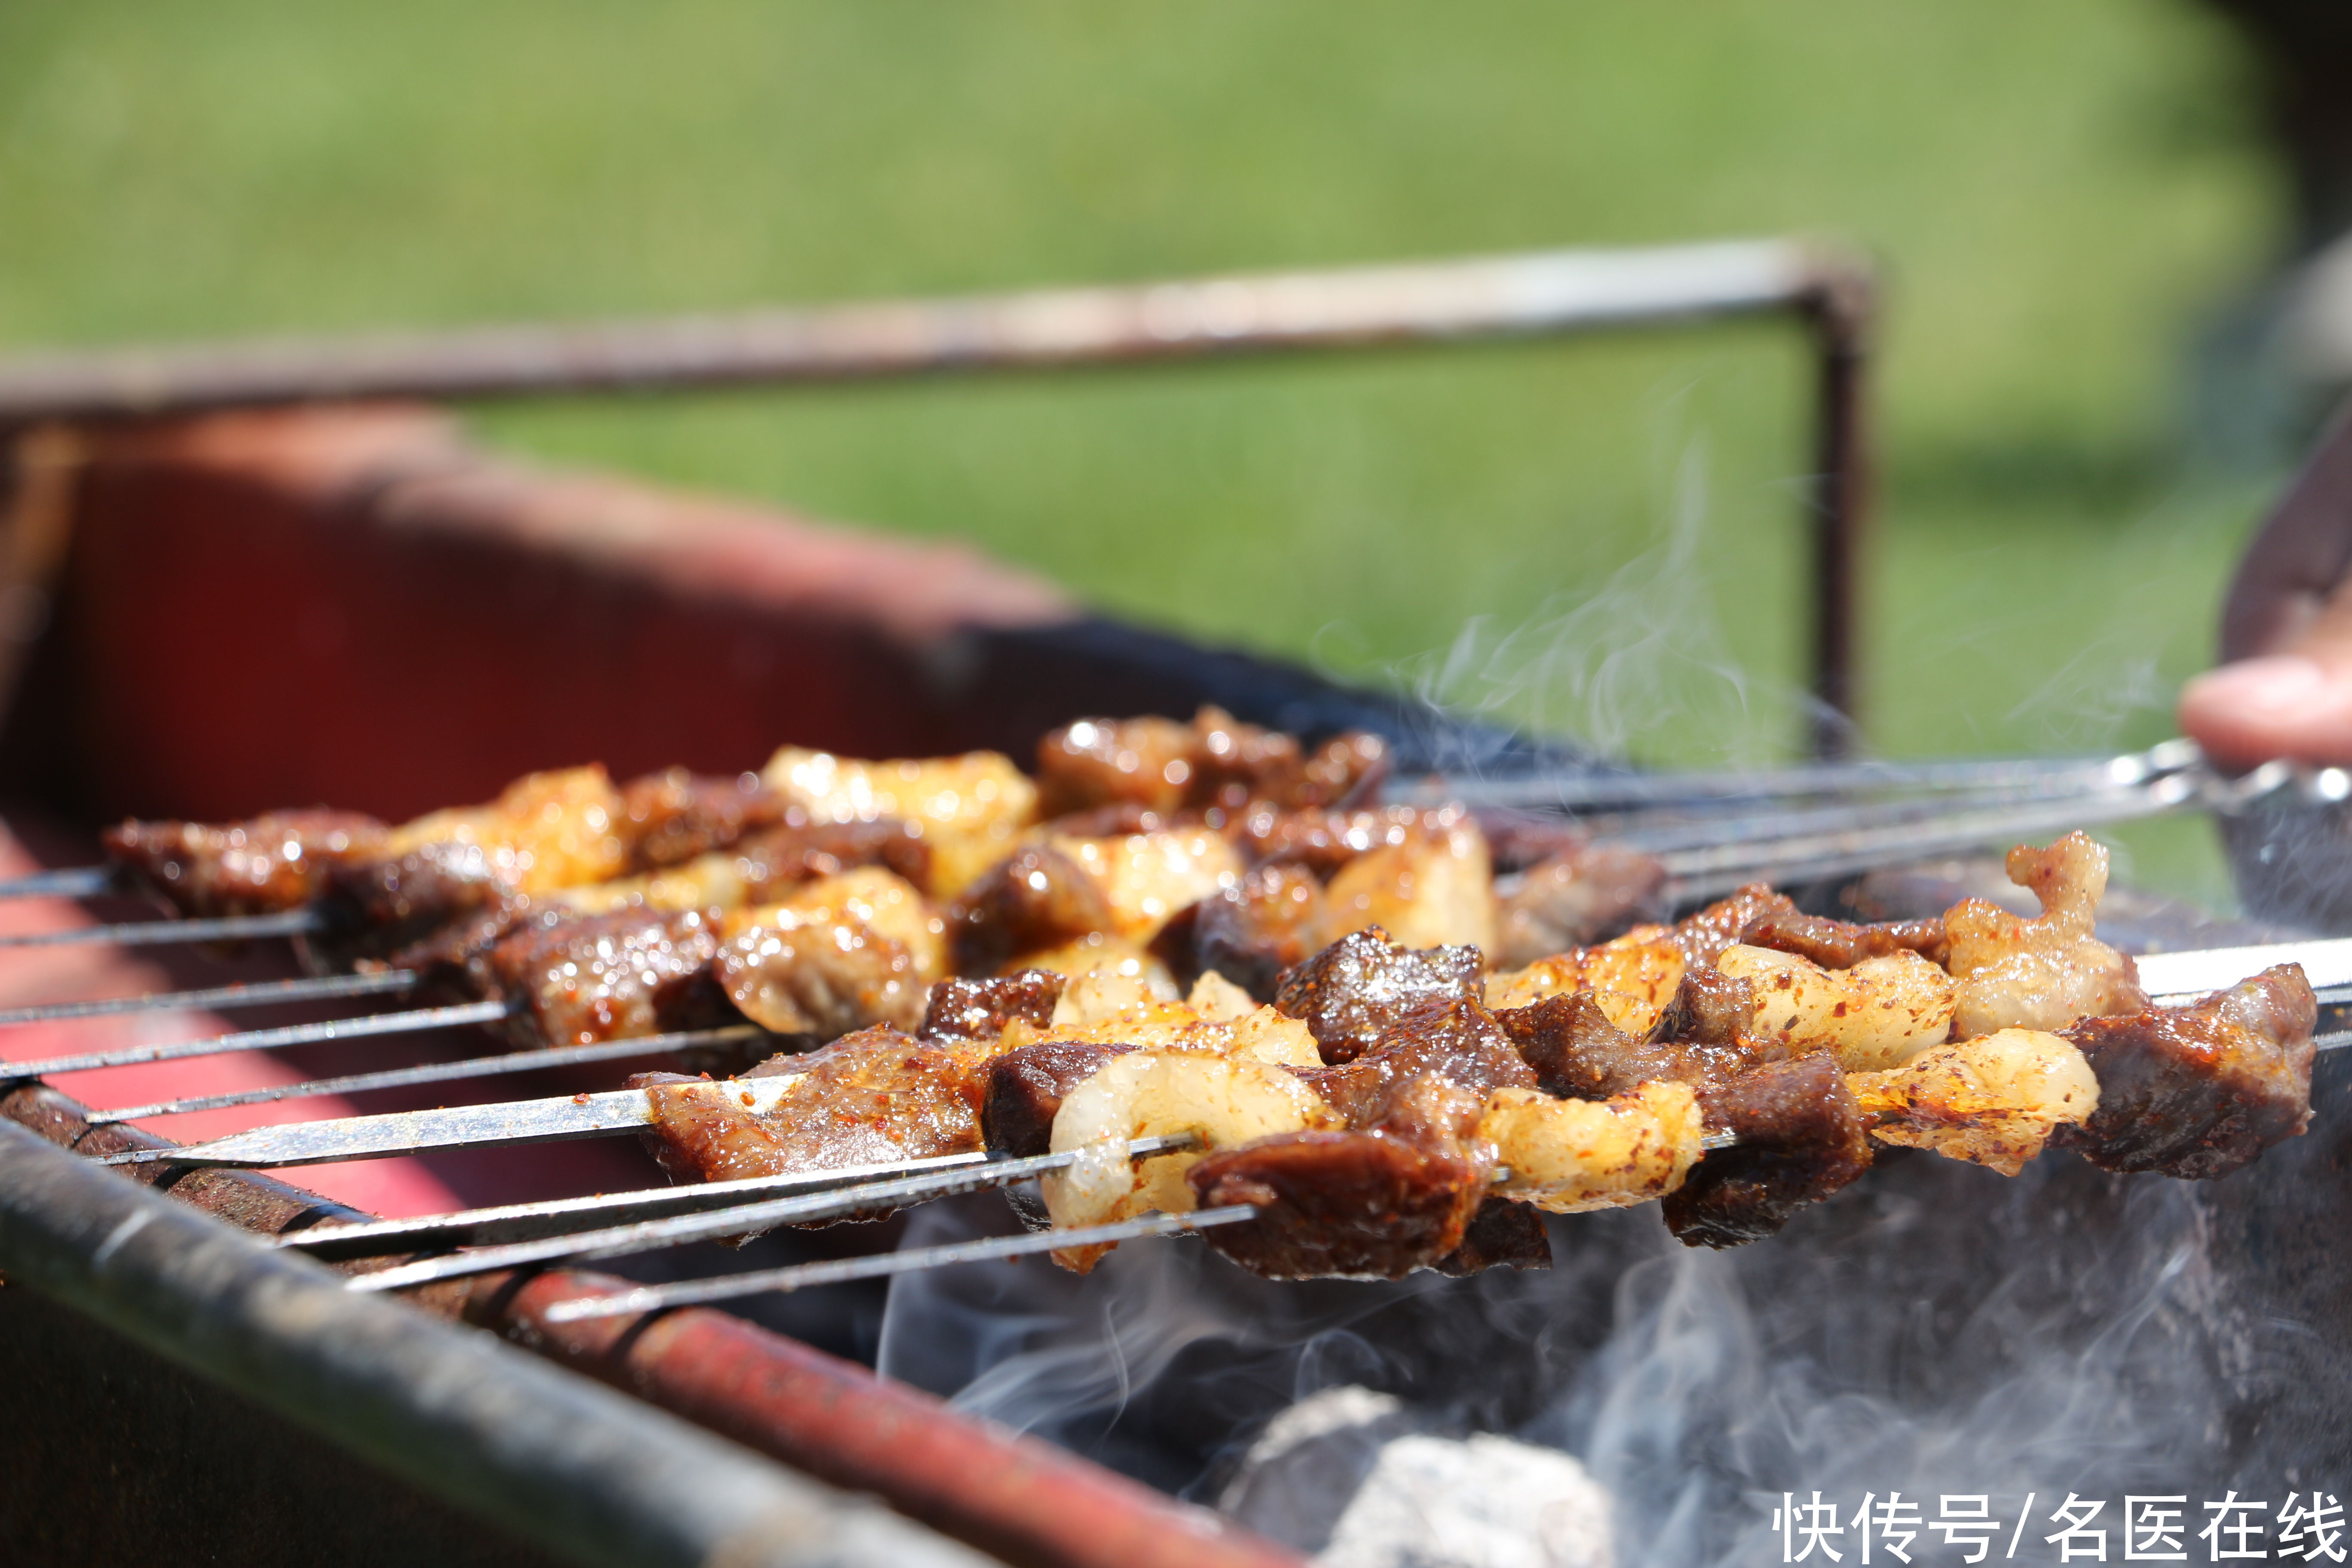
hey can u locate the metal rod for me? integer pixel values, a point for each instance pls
(799, 1276)
(268, 1039)
(66, 882)
(1533, 292)
(654, 1235)
(444, 1072)
(562, 1216)
(219, 998)
(583, 1472)
(154, 933)
(1841, 310)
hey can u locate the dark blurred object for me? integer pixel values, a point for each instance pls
(2304, 54)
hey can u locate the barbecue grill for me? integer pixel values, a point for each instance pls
(209, 567)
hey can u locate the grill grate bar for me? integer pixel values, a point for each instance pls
(253, 994)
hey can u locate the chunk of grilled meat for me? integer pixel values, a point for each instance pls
(980, 1009)
(613, 976)
(1878, 1014)
(1635, 975)
(673, 816)
(1025, 1089)
(1992, 1101)
(1428, 1076)
(870, 1097)
(1576, 1053)
(273, 863)
(1574, 900)
(1501, 1235)
(843, 952)
(1037, 899)
(1436, 889)
(1573, 1157)
(1215, 763)
(1708, 934)
(1352, 1206)
(1324, 841)
(1252, 932)
(1842, 944)
(1801, 1138)
(2198, 1091)
(1352, 991)
(2047, 972)
(969, 810)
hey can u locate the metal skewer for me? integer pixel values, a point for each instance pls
(562, 1216)
(799, 1276)
(268, 1039)
(444, 1072)
(654, 1235)
(66, 882)
(253, 994)
(154, 933)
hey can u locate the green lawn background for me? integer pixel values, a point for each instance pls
(1598, 537)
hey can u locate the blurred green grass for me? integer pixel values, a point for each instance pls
(1597, 538)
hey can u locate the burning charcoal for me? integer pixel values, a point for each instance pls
(1025, 1087)
(1355, 989)
(1842, 944)
(1252, 932)
(1359, 1205)
(1802, 1138)
(1502, 1234)
(979, 1009)
(1033, 900)
(1575, 899)
(2200, 1091)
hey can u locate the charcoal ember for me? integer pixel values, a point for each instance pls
(1502, 1234)
(1577, 899)
(2198, 1091)
(1842, 944)
(1357, 1206)
(979, 1009)
(1037, 899)
(675, 814)
(602, 977)
(271, 864)
(1252, 932)
(1801, 1138)
(1349, 992)
(1025, 1088)
(1428, 1078)
(1576, 1053)
(1706, 936)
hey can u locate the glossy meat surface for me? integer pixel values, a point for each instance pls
(675, 814)
(981, 1009)
(1435, 889)
(1213, 763)
(1576, 1053)
(604, 977)
(1573, 1157)
(1352, 991)
(1706, 936)
(1878, 1014)
(969, 810)
(1842, 944)
(843, 952)
(1801, 1138)
(1036, 899)
(2198, 1091)
(1428, 1078)
(1501, 1235)
(1574, 900)
(1992, 1101)
(2046, 971)
(1252, 932)
(1025, 1089)
(871, 1098)
(1356, 1205)
(272, 863)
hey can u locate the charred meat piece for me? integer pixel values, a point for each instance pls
(673, 815)
(1352, 991)
(1801, 1138)
(1574, 900)
(979, 1009)
(1708, 934)
(1428, 1078)
(1031, 901)
(1502, 1234)
(1252, 932)
(1025, 1088)
(773, 858)
(843, 952)
(871, 1098)
(607, 977)
(1215, 763)
(273, 863)
(1576, 1053)
(1708, 1008)
(1357, 1206)
(2198, 1091)
(373, 908)
(1842, 944)
(1321, 840)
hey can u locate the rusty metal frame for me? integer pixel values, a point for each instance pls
(1831, 291)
